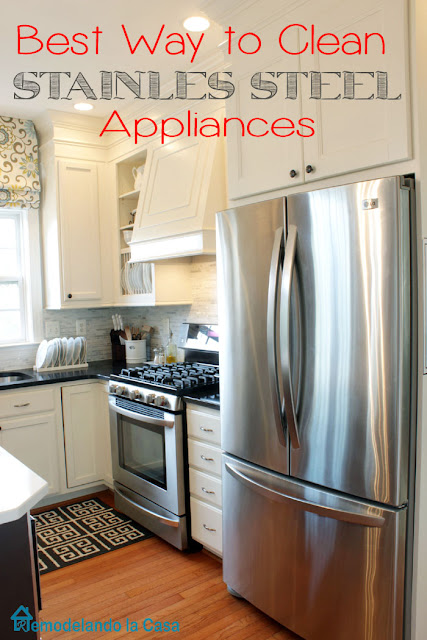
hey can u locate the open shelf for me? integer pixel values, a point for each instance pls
(130, 195)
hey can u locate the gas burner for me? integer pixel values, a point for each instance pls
(178, 378)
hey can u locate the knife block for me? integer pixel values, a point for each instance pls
(118, 351)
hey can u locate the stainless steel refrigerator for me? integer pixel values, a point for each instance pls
(317, 314)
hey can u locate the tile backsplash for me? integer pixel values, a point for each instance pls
(99, 325)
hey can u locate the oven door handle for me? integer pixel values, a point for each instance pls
(167, 521)
(140, 417)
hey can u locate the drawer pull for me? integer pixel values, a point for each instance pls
(24, 404)
(206, 430)
(207, 459)
(208, 528)
(203, 489)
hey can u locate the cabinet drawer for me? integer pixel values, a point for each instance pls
(204, 457)
(206, 525)
(21, 403)
(204, 425)
(206, 487)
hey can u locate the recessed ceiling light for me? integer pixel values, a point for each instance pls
(196, 23)
(83, 106)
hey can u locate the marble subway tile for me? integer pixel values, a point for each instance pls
(99, 324)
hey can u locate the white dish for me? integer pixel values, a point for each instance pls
(57, 357)
(77, 350)
(51, 353)
(64, 342)
(147, 277)
(142, 278)
(84, 350)
(41, 354)
(70, 349)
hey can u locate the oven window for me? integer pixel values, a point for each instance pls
(142, 450)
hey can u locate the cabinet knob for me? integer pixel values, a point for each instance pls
(293, 173)
(309, 168)
(70, 295)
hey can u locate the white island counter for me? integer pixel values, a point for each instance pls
(20, 488)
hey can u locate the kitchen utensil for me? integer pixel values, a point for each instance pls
(128, 333)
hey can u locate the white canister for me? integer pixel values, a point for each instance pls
(136, 351)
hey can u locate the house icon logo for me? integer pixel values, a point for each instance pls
(21, 619)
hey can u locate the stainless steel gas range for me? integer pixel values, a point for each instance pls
(148, 436)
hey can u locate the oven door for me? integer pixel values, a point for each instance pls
(147, 451)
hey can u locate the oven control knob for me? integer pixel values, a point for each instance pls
(113, 388)
(135, 395)
(160, 401)
(120, 391)
(151, 397)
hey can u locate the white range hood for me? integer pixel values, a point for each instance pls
(184, 185)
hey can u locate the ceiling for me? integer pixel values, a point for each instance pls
(83, 16)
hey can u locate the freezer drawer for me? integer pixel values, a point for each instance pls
(323, 565)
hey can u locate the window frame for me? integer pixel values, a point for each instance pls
(28, 278)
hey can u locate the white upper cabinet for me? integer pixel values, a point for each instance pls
(76, 241)
(80, 232)
(352, 132)
(257, 164)
(184, 186)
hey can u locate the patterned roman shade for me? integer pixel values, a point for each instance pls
(19, 164)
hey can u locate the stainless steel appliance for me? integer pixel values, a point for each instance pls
(148, 441)
(317, 315)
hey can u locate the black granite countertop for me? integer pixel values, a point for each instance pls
(204, 400)
(101, 369)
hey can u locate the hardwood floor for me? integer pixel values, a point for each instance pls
(151, 579)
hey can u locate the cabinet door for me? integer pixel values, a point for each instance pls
(33, 440)
(82, 434)
(353, 134)
(80, 231)
(258, 164)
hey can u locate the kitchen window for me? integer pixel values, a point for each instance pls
(19, 276)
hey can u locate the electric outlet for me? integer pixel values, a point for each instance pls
(51, 328)
(81, 327)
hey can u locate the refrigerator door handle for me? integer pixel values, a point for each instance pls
(272, 311)
(288, 270)
(354, 517)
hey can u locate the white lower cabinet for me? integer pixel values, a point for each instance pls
(33, 440)
(206, 525)
(82, 434)
(204, 457)
(70, 448)
(31, 428)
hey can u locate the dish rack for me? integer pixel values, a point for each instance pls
(135, 277)
(60, 354)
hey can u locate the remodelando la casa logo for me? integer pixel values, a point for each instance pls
(24, 621)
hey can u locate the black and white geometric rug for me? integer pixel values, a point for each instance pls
(67, 535)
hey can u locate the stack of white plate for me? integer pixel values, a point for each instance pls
(61, 352)
(135, 278)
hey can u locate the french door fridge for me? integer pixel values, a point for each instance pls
(317, 314)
